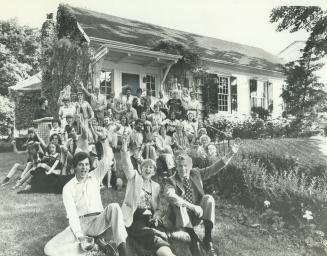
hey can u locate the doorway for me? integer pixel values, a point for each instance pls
(131, 81)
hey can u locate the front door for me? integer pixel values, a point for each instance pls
(132, 81)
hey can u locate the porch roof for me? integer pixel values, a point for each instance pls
(32, 83)
(103, 27)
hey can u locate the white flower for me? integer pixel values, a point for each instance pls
(308, 215)
(266, 203)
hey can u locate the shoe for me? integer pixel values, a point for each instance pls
(5, 181)
(211, 251)
(106, 247)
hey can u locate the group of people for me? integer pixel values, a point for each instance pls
(148, 140)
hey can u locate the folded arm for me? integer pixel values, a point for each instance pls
(175, 199)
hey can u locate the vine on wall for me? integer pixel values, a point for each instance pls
(66, 56)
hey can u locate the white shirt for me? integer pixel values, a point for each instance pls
(81, 198)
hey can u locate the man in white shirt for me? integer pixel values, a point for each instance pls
(85, 212)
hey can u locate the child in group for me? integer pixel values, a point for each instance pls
(32, 149)
(56, 128)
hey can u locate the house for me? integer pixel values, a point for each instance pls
(243, 76)
(239, 76)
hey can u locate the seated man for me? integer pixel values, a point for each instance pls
(82, 200)
(188, 203)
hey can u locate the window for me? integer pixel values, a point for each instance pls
(106, 78)
(233, 89)
(218, 95)
(223, 93)
(150, 82)
(261, 94)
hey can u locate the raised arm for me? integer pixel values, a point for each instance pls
(216, 167)
(16, 151)
(126, 160)
(88, 94)
(106, 160)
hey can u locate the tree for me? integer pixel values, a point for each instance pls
(19, 53)
(303, 90)
(309, 18)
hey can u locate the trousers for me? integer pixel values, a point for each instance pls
(66, 244)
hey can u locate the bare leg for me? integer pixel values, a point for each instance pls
(14, 169)
(27, 168)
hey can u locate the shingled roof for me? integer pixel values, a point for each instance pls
(104, 26)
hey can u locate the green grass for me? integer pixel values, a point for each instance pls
(29, 221)
(305, 152)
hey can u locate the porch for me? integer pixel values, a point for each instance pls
(118, 65)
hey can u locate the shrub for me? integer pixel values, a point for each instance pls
(6, 115)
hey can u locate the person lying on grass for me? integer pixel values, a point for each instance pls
(188, 202)
(85, 212)
(141, 206)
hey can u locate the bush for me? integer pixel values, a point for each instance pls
(246, 127)
(6, 115)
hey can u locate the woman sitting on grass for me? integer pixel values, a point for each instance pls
(36, 179)
(141, 206)
(33, 153)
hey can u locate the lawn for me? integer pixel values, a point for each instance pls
(29, 221)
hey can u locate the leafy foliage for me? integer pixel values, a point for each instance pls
(303, 91)
(67, 23)
(68, 66)
(6, 114)
(310, 18)
(190, 61)
(19, 53)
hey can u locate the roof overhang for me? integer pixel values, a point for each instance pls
(118, 52)
(244, 68)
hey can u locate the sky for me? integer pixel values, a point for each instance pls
(241, 21)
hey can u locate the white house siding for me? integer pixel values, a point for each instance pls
(243, 94)
(243, 85)
(119, 68)
(243, 82)
(278, 101)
